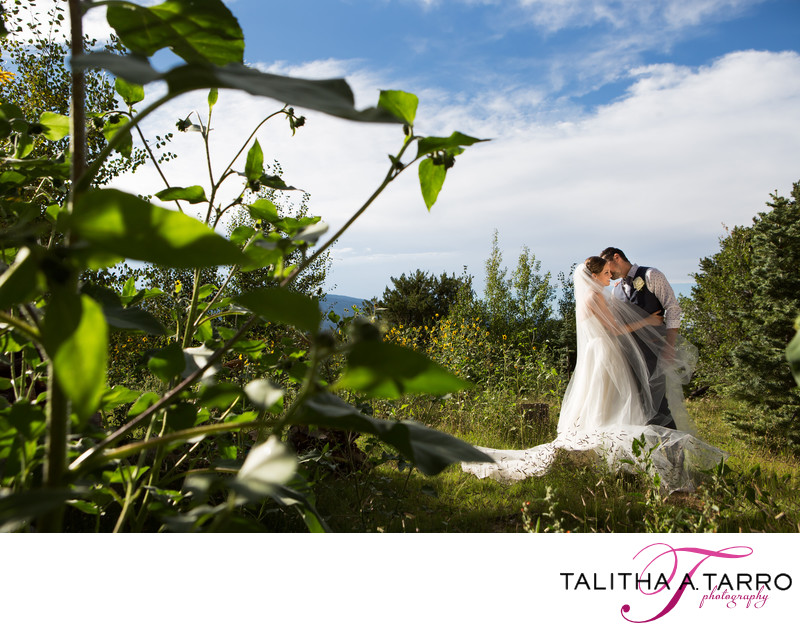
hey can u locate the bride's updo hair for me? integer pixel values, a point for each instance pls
(595, 264)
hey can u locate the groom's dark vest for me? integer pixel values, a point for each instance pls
(644, 298)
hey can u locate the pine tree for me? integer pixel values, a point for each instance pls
(765, 378)
(741, 315)
(713, 318)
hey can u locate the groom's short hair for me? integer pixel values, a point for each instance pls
(609, 253)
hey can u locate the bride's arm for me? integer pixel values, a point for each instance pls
(598, 306)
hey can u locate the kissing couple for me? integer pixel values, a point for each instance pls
(627, 383)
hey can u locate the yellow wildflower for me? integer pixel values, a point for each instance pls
(6, 76)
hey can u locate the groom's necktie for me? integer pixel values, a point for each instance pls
(627, 285)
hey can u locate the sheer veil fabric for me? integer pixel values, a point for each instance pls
(612, 395)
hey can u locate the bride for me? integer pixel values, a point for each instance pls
(612, 394)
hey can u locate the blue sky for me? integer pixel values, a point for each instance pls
(649, 125)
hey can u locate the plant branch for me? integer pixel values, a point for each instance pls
(82, 462)
(392, 174)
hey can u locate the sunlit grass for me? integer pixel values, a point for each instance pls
(387, 498)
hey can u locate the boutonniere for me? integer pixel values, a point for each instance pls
(638, 283)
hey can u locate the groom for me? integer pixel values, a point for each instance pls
(648, 289)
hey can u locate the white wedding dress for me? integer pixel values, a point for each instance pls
(610, 398)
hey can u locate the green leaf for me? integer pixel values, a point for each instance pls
(242, 234)
(263, 394)
(122, 224)
(793, 353)
(456, 140)
(197, 357)
(142, 403)
(195, 30)
(18, 509)
(402, 105)
(264, 210)
(181, 416)
(267, 465)
(22, 281)
(389, 371)
(330, 96)
(131, 296)
(273, 181)
(219, 395)
(113, 128)
(131, 93)
(76, 339)
(117, 396)
(254, 166)
(282, 305)
(430, 450)
(167, 362)
(191, 194)
(133, 319)
(119, 317)
(24, 145)
(431, 180)
(56, 126)
(261, 255)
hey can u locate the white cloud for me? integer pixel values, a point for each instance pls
(657, 173)
(554, 15)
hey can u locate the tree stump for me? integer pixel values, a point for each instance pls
(534, 419)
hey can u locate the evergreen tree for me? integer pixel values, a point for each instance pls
(420, 298)
(760, 358)
(714, 315)
(741, 315)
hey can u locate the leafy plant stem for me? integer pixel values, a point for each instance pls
(82, 183)
(21, 326)
(394, 172)
(54, 465)
(82, 461)
(154, 160)
(55, 447)
(130, 496)
(185, 434)
(198, 320)
(190, 320)
(152, 475)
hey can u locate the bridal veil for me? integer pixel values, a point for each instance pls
(613, 393)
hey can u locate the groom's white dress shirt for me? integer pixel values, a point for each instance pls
(658, 284)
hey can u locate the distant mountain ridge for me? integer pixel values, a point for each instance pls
(340, 305)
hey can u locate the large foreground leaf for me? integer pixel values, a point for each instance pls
(388, 371)
(431, 180)
(281, 305)
(331, 96)
(452, 143)
(195, 30)
(122, 224)
(76, 339)
(21, 281)
(430, 450)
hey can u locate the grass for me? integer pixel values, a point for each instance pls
(758, 494)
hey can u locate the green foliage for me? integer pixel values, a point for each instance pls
(519, 307)
(713, 317)
(40, 87)
(741, 313)
(421, 298)
(189, 435)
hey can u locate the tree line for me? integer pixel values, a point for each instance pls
(740, 314)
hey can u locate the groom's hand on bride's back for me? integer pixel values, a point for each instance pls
(655, 319)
